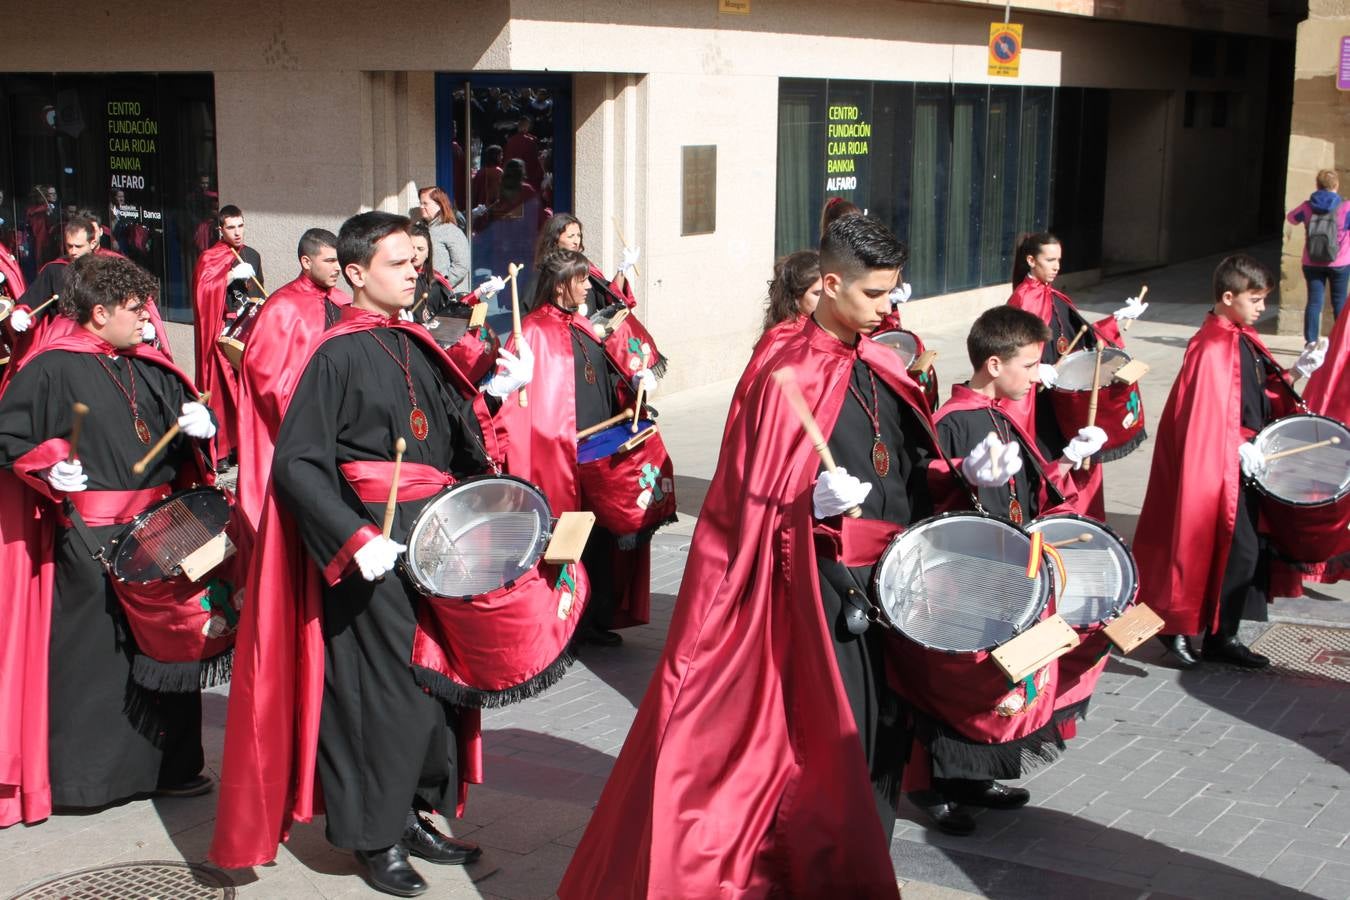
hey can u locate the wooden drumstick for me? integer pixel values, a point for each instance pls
(139, 465)
(1092, 401)
(624, 240)
(787, 383)
(399, 446)
(1128, 322)
(79, 410)
(253, 278)
(1081, 539)
(44, 304)
(1074, 343)
(601, 426)
(637, 406)
(511, 272)
(1329, 442)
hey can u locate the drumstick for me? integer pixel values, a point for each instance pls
(624, 240)
(637, 406)
(399, 446)
(1081, 539)
(1074, 343)
(79, 410)
(601, 426)
(254, 277)
(787, 383)
(139, 465)
(1331, 441)
(1128, 322)
(1092, 401)
(511, 271)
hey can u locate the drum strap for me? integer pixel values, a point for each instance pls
(371, 480)
(106, 508)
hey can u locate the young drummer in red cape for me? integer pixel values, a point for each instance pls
(225, 276)
(11, 276)
(1201, 564)
(563, 231)
(1035, 269)
(82, 721)
(764, 757)
(323, 690)
(289, 327)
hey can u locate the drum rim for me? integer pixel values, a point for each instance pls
(405, 564)
(1129, 553)
(1047, 586)
(1121, 350)
(1300, 504)
(115, 544)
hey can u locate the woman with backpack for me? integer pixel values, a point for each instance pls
(1326, 253)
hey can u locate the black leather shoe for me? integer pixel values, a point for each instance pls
(1179, 650)
(989, 794)
(193, 787)
(946, 817)
(602, 637)
(423, 840)
(389, 871)
(1232, 651)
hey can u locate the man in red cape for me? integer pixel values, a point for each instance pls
(1200, 563)
(290, 325)
(225, 273)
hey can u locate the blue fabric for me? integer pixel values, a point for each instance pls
(1317, 278)
(607, 442)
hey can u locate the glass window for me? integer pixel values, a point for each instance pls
(927, 225)
(965, 192)
(1001, 184)
(801, 146)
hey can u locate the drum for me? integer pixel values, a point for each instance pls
(234, 338)
(1099, 579)
(627, 341)
(154, 545)
(473, 350)
(1305, 496)
(627, 479)
(958, 583)
(1120, 407)
(909, 348)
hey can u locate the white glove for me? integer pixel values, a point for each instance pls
(1132, 309)
(480, 209)
(645, 378)
(1048, 375)
(1089, 441)
(2, 274)
(1252, 459)
(148, 332)
(1310, 360)
(488, 289)
(406, 315)
(991, 463)
(582, 310)
(196, 421)
(901, 293)
(241, 271)
(629, 259)
(20, 320)
(837, 492)
(68, 477)
(377, 557)
(514, 370)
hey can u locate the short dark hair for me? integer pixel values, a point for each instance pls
(358, 236)
(1002, 331)
(558, 267)
(314, 240)
(79, 223)
(85, 212)
(108, 281)
(1240, 272)
(228, 211)
(852, 245)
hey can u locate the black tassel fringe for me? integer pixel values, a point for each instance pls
(631, 541)
(459, 695)
(955, 756)
(182, 677)
(659, 367)
(1073, 711)
(1125, 449)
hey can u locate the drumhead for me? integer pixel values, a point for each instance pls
(607, 442)
(1311, 478)
(477, 536)
(902, 342)
(159, 539)
(1100, 578)
(958, 582)
(1075, 370)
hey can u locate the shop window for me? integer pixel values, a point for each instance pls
(1204, 55)
(1218, 109)
(1235, 57)
(1081, 117)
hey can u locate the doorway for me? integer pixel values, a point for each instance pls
(1132, 219)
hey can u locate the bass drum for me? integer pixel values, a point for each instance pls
(909, 348)
(1305, 496)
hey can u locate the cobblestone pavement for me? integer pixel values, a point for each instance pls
(1212, 783)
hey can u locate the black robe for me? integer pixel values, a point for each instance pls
(110, 739)
(1065, 322)
(385, 745)
(961, 430)
(239, 290)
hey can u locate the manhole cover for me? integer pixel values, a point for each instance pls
(1308, 651)
(153, 880)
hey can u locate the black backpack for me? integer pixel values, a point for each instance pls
(1324, 240)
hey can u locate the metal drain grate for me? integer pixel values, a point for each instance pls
(158, 879)
(1307, 651)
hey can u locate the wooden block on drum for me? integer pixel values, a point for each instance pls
(1131, 372)
(201, 561)
(232, 350)
(1137, 625)
(608, 328)
(1034, 648)
(637, 440)
(925, 360)
(478, 315)
(569, 537)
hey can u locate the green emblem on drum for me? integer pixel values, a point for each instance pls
(650, 482)
(1131, 410)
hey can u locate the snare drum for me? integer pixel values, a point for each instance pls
(627, 479)
(1099, 580)
(909, 348)
(234, 338)
(473, 350)
(1305, 497)
(1120, 406)
(154, 545)
(627, 341)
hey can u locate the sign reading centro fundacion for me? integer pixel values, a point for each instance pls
(1005, 49)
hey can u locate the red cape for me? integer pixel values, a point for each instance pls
(1038, 298)
(267, 778)
(14, 285)
(1328, 394)
(768, 345)
(289, 327)
(1186, 525)
(27, 568)
(743, 774)
(214, 372)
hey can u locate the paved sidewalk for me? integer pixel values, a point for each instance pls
(1213, 783)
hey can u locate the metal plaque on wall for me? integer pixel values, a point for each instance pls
(698, 179)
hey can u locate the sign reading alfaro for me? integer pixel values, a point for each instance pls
(1005, 49)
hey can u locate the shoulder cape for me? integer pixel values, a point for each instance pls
(214, 374)
(14, 284)
(769, 343)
